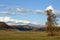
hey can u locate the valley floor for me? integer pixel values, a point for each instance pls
(25, 35)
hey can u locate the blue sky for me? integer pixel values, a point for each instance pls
(31, 5)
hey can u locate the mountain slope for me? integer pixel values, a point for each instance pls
(3, 25)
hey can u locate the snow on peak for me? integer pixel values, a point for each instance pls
(49, 7)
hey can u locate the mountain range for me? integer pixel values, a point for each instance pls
(27, 27)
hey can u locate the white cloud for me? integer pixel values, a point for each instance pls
(28, 10)
(5, 19)
(23, 10)
(22, 14)
(11, 13)
(2, 6)
(57, 12)
(49, 7)
(19, 9)
(5, 12)
(37, 11)
(11, 21)
(14, 21)
(37, 23)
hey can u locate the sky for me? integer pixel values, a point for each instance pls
(26, 10)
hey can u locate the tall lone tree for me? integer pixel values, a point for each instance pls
(51, 22)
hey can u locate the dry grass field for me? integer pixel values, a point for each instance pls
(25, 35)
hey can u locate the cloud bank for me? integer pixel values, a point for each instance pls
(11, 21)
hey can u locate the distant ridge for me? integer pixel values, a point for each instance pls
(3, 25)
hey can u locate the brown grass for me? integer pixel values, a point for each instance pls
(25, 35)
